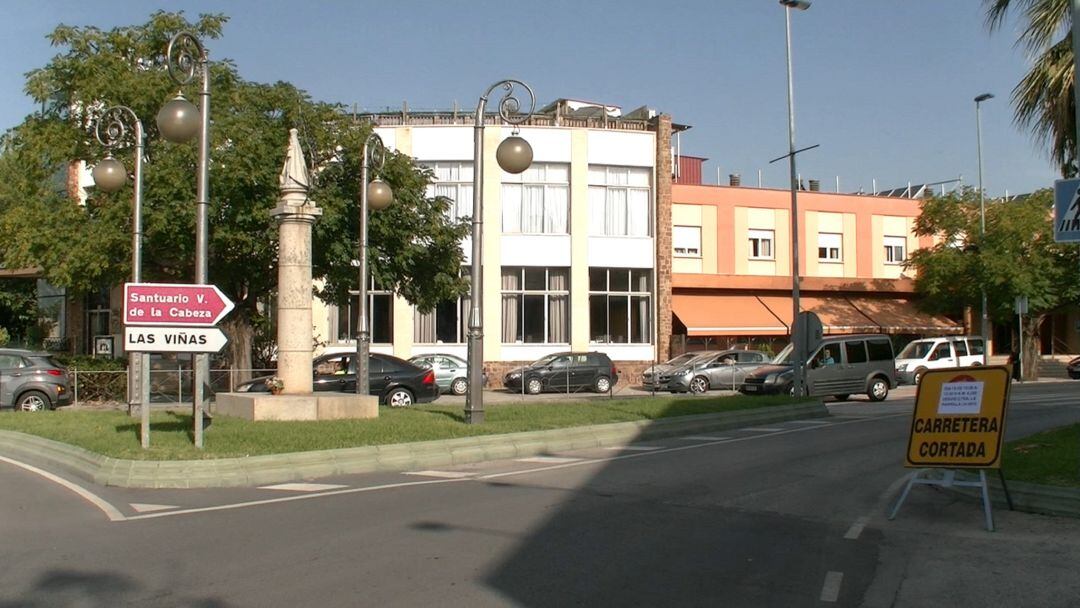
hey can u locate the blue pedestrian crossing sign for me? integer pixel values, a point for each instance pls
(1067, 210)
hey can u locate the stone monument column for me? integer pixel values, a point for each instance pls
(295, 215)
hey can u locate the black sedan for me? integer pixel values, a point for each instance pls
(396, 382)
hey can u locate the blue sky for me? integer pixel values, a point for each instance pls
(885, 88)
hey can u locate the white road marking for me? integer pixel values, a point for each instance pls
(703, 438)
(145, 508)
(303, 487)
(809, 422)
(830, 591)
(442, 474)
(633, 448)
(548, 459)
(856, 529)
(761, 429)
(110, 511)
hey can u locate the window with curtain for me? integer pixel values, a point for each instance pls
(453, 180)
(535, 305)
(537, 200)
(619, 200)
(830, 247)
(380, 316)
(619, 305)
(761, 244)
(448, 323)
(894, 249)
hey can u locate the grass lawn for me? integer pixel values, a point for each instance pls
(1051, 458)
(114, 433)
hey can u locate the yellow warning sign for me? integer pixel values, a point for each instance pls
(959, 418)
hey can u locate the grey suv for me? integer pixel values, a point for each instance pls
(32, 381)
(564, 372)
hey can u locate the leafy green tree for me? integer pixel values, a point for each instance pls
(1043, 101)
(1017, 256)
(18, 310)
(414, 245)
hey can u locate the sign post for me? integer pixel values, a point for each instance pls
(958, 423)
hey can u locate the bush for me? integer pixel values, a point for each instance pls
(99, 379)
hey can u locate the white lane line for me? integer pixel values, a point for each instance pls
(548, 459)
(303, 487)
(809, 422)
(856, 529)
(703, 438)
(110, 511)
(761, 429)
(442, 474)
(147, 508)
(830, 591)
(633, 448)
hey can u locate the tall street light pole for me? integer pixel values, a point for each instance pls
(376, 195)
(514, 155)
(110, 175)
(984, 322)
(797, 350)
(186, 57)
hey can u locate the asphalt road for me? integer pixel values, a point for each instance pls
(791, 514)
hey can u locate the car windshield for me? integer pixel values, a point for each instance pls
(782, 358)
(548, 360)
(916, 350)
(682, 359)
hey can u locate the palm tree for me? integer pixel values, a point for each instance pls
(1043, 101)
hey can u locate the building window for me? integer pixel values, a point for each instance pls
(830, 244)
(686, 241)
(619, 201)
(894, 249)
(453, 180)
(619, 305)
(535, 305)
(98, 316)
(380, 316)
(761, 244)
(448, 323)
(537, 200)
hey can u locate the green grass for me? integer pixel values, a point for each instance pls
(114, 433)
(1051, 458)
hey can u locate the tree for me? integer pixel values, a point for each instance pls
(1043, 101)
(1017, 256)
(416, 251)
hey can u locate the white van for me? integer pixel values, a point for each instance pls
(938, 353)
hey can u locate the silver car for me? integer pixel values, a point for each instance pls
(451, 371)
(32, 381)
(717, 370)
(657, 376)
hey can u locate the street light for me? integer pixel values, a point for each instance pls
(984, 326)
(185, 56)
(110, 175)
(514, 155)
(376, 195)
(797, 348)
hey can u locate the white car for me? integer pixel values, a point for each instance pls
(938, 353)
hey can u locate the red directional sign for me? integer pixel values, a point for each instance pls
(174, 304)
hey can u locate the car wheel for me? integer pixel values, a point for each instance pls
(699, 385)
(399, 397)
(916, 378)
(459, 386)
(32, 401)
(879, 389)
(841, 397)
(602, 385)
(533, 386)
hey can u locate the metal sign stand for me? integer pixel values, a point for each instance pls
(948, 479)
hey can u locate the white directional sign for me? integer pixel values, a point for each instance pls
(1067, 211)
(174, 339)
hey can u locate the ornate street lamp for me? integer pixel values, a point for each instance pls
(110, 175)
(514, 155)
(179, 121)
(375, 195)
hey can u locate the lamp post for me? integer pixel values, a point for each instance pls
(376, 195)
(185, 57)
(110, 175)
(797, 350)
(984, 323)
(514, 155)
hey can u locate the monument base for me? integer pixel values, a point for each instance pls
(311, 406)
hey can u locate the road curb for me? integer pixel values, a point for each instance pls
(278, 468)
(1029, 498)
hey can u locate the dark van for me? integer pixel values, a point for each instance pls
(840, 366)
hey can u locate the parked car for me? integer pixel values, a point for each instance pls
(840, 366)
(395, 381)
(724, 369)
(938, 353)
(657, 376)
(32, 381)
(1073, 368)
(451, 371)
(564, 372)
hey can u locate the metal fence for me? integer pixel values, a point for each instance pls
(166, 385)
